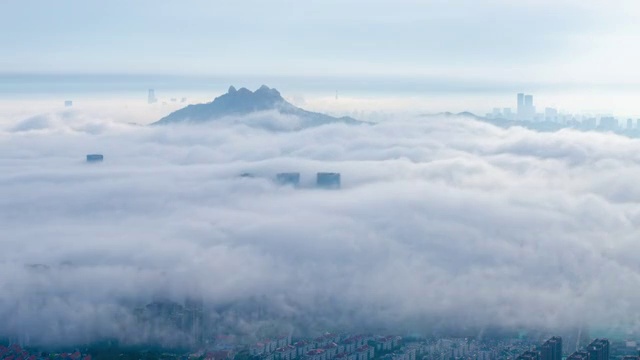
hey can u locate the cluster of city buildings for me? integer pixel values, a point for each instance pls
(345, 346)
(524, 349)
(16, 352)
(170, 323)
(334, 347)
(550, 350)
(598, 349)
(473, 349)
(526, 112)
(324, 180)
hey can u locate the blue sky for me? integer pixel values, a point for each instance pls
(536, 41)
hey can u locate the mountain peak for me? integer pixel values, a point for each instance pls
(244, 101)
(265, 91)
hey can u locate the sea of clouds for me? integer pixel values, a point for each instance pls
(440, 222)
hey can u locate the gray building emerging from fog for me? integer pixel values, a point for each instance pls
(552, 349)
(288, 178)
(579, 355)
(326, 180)
(598, 349)
(92, 158)
(529, 355)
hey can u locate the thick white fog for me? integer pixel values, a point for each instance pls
(439, 223)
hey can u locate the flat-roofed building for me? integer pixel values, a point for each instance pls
(288, 178)
(95, 158)
(328, 180)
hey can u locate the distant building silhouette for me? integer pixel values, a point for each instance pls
(288, 178)
(629, 123)
(520, 109)
(598, 349)
(529, 355)
(552, 349)
(526, 110)
(589, 123)
(152, 96)
(68, 103)
(530, 110)
(608, 123)
(94, 158)
(579, 355)
(327, 180)
(528, 101)
(551, 114)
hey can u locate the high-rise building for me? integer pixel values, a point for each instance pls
(552, 349)
(328, 180)
(629, 123)
(589, 123)
(520, 109)
(94, 158)
(526, 110)
(551, 114)
(193, 320)
(529, 355)
(608, 123)
(506, 112)
(530, 110)
(289, 178)
(152, 96)
(68, 103)
(528, 100)
(598, 349)
(579, 355)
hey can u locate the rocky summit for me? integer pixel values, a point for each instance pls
(238, 102)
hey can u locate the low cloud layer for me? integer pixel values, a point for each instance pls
(439, 223)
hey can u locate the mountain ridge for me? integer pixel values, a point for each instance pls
(243, 101)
